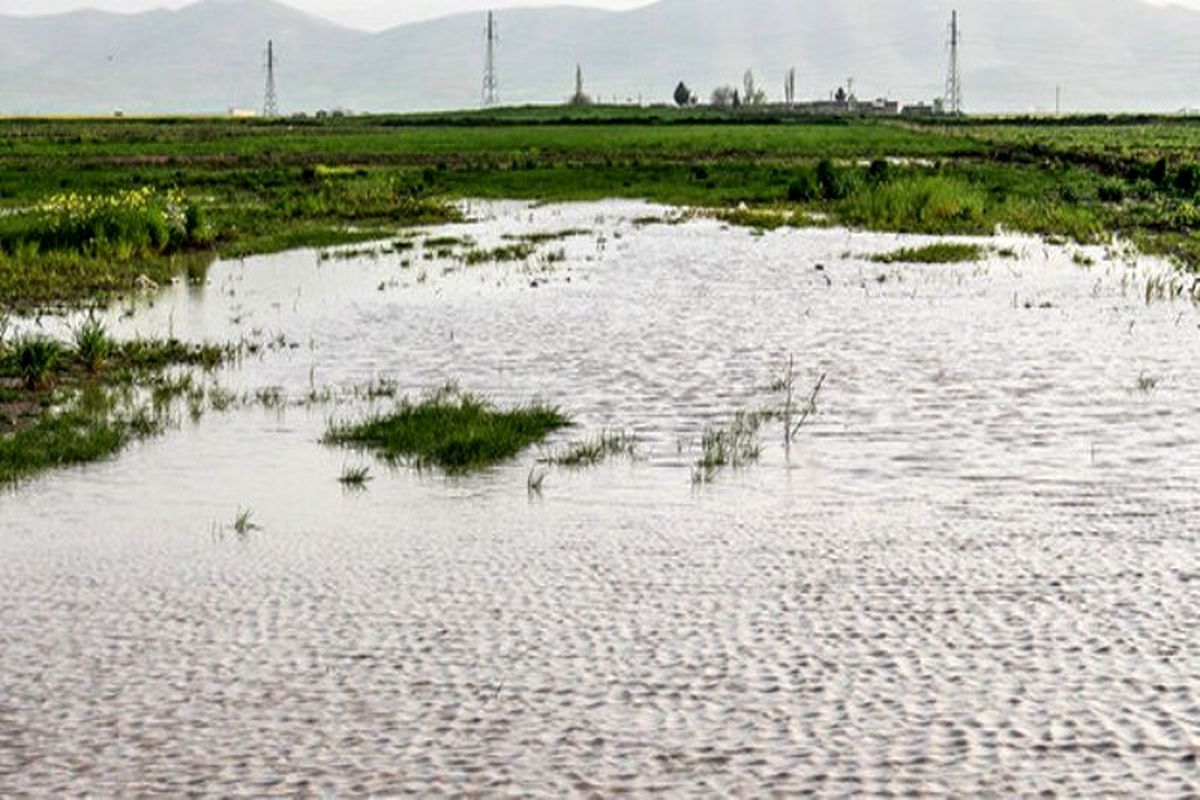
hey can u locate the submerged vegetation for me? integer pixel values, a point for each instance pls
(90, 427)
(61, 405)
(734, 445)
(594, 451)
(451, 430)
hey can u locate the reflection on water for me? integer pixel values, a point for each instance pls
(976, 573)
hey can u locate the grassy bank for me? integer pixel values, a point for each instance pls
(239, 187)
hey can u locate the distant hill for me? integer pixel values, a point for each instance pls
(1105, 54)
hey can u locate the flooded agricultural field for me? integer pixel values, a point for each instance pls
(975, 570)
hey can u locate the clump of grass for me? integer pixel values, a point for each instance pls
(122, 226)
(221, 399)
(513, 252)
(92, 426)
(931, 204)
(446, 242)
(271, 397)
(757, 219)
(939, 253)
(594, 451)
(545, 237)
(157, 354)
(92, 344)
(243, 523)
(36, 357)
(734, 445)
(380, 388)
(453, 431)
(1147, 383)
(355, 477)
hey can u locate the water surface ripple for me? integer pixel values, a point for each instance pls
(977, 573)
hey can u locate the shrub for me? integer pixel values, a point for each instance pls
(804, 188)
(1187, 180)
(122, 226)
(832, 182)
(879, 172)
(1112, 192)
(1158, 173)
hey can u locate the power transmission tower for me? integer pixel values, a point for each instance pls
(271, 100)
(491, 82)
(954, 104)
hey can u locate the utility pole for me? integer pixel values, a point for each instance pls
(1058, 101)
(789, 87)
(271, 100)
(491, 82)
(954, 103)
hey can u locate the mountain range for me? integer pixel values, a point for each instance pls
(1103, 55)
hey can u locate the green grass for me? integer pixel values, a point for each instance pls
(34, 358)
(498, 255)
(734, 445)
(160, 197)
(594, 451)
(243, 522)
(92, 345)
(939, 253)
(455, 432)
(355, 477)
(61, 406)
(545, 237)
(90, 428)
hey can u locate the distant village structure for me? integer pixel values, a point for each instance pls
(843, 101)
(749, 98)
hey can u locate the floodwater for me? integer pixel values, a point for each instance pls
(977, 572)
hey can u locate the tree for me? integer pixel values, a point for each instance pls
(725, 97)
(789, 87)
(684, 96)
(752, 95)
(580, 97)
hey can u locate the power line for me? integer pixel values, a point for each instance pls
(491, 82)
(271, 99)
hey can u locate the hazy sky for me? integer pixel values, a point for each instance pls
(374, 14)
(370, 14)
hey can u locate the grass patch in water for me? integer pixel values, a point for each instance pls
(734, 445)
(443, 242)
(453, 431)
(61, 406)
(940, 253)
(545, 237)
(93, 427)
(594, 451)
(505, 253)
(355, 477)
